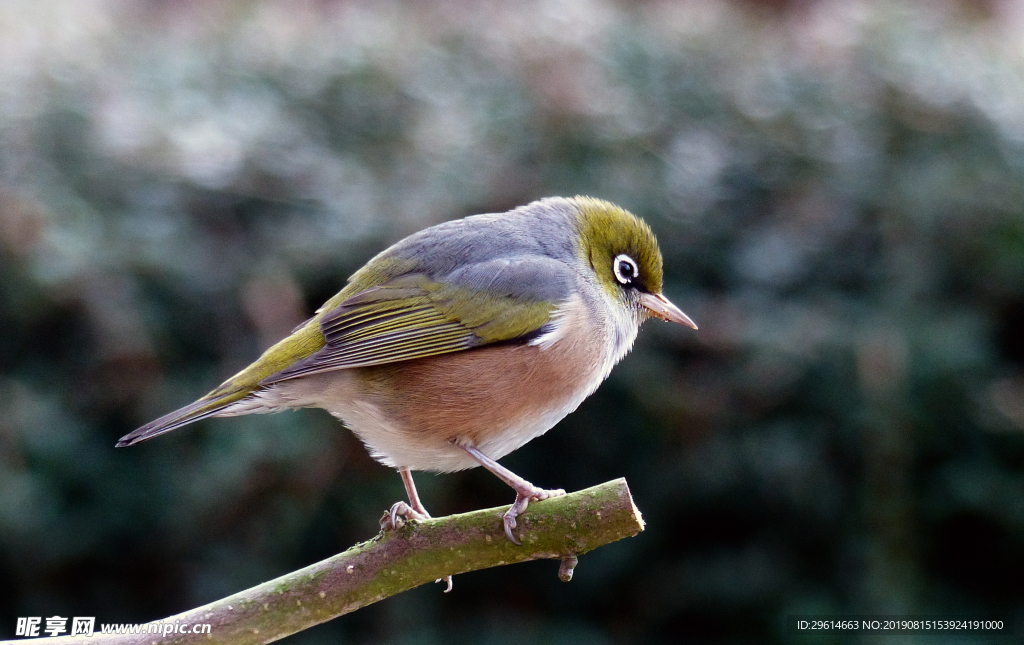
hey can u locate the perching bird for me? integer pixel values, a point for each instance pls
(463, 341)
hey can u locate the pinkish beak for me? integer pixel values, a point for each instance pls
(660, 307)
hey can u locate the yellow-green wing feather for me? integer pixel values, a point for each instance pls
(415, 317)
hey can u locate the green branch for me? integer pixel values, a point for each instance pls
(395, 561)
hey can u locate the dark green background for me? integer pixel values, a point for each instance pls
(838, 189)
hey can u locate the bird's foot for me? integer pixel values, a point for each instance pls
(404, 511)
(416, 511)
(525, 495)
(525, 491)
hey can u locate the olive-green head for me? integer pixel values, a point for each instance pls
(623, 253)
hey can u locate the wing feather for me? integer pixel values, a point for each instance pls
(486, 279)
(414, 317)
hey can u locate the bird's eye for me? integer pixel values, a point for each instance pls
(625, 269)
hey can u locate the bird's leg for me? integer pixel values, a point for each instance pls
(414, 509)
(525, 491)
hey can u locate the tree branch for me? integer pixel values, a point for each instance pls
(395, 561)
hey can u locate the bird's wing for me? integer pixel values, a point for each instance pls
(415, 316)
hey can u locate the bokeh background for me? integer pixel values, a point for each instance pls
(837, 186)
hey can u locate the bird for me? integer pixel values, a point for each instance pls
(464, 341)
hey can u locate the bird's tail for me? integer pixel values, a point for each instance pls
(304, 341)
(210, 405)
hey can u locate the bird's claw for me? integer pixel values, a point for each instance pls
(403, 510)
(523, 499)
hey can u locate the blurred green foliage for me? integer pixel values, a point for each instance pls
(838, 188)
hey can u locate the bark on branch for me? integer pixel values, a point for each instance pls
(395, 561)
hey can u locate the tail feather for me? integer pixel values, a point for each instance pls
(304, 342)
(208, 406)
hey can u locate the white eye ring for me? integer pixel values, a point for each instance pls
(625, 269)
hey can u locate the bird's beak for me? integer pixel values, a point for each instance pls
(660, 307)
